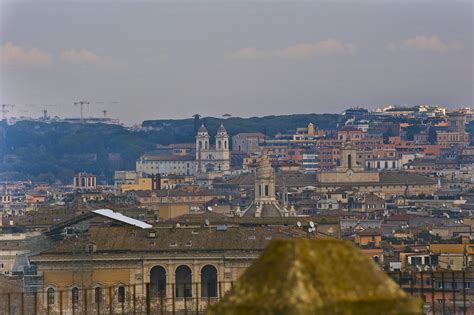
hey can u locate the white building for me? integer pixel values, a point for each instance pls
(383, 164)
(166, 164)
(310, 162)
(212, 159)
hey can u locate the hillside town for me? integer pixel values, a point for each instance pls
(192, 217)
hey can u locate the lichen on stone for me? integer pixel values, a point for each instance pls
(315, 277)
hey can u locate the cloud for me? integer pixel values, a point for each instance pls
(80, 56)
(18, 55)
(423, 42)
(298, 51)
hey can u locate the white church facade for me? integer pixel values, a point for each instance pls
(212, 158)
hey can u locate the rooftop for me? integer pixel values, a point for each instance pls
(131, 240)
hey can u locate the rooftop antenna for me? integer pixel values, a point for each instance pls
(298, 224)
(311, 224)
(206, 222)
(209, 208)
(81, 104)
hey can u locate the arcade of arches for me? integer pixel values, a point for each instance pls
(183, 283)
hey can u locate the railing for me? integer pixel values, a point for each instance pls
(442, 292)
(190, 298)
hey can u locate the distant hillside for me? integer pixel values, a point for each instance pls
(184, 130)
(52, 152)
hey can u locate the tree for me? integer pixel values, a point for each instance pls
(197, 122)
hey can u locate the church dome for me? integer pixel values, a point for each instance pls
(221, 130)
(202, 130)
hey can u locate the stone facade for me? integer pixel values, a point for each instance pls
(215, 158)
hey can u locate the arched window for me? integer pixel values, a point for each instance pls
(51, 295)
(158, 281)
(98, 295)
(219, 144)
(75, 295)
(225, 145)
(209, 281)
(183, 282)
(200, 144)
(349, 161)
(121, 294)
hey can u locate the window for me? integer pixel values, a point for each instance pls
(183, 282)
(209, 281)
(158, 280)
(51, 296)
(75, 295)
(121, 294)
(98, 295)
(90, 248)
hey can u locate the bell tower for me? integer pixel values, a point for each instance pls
(222, 151)
(265, 182)
(202, 146)
(349, 159)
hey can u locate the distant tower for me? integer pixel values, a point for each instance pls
(222, 139)
(265, 182)
(456, 121)
(222, 148)
(202, 145)
(311, 129)
(348, 157)
(265, 202)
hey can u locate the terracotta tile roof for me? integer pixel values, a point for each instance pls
(129, 240)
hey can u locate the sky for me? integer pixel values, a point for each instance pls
(171, 59)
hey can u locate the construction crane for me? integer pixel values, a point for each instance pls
(81, 104)
(45, 114)
(105, 113)
(5, 110)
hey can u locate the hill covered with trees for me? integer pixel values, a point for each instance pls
(54, 152)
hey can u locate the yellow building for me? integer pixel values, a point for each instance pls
(187, 261)
(454, 256)
(139, 184)
(155, 182)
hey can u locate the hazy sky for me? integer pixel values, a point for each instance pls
(150, 59)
